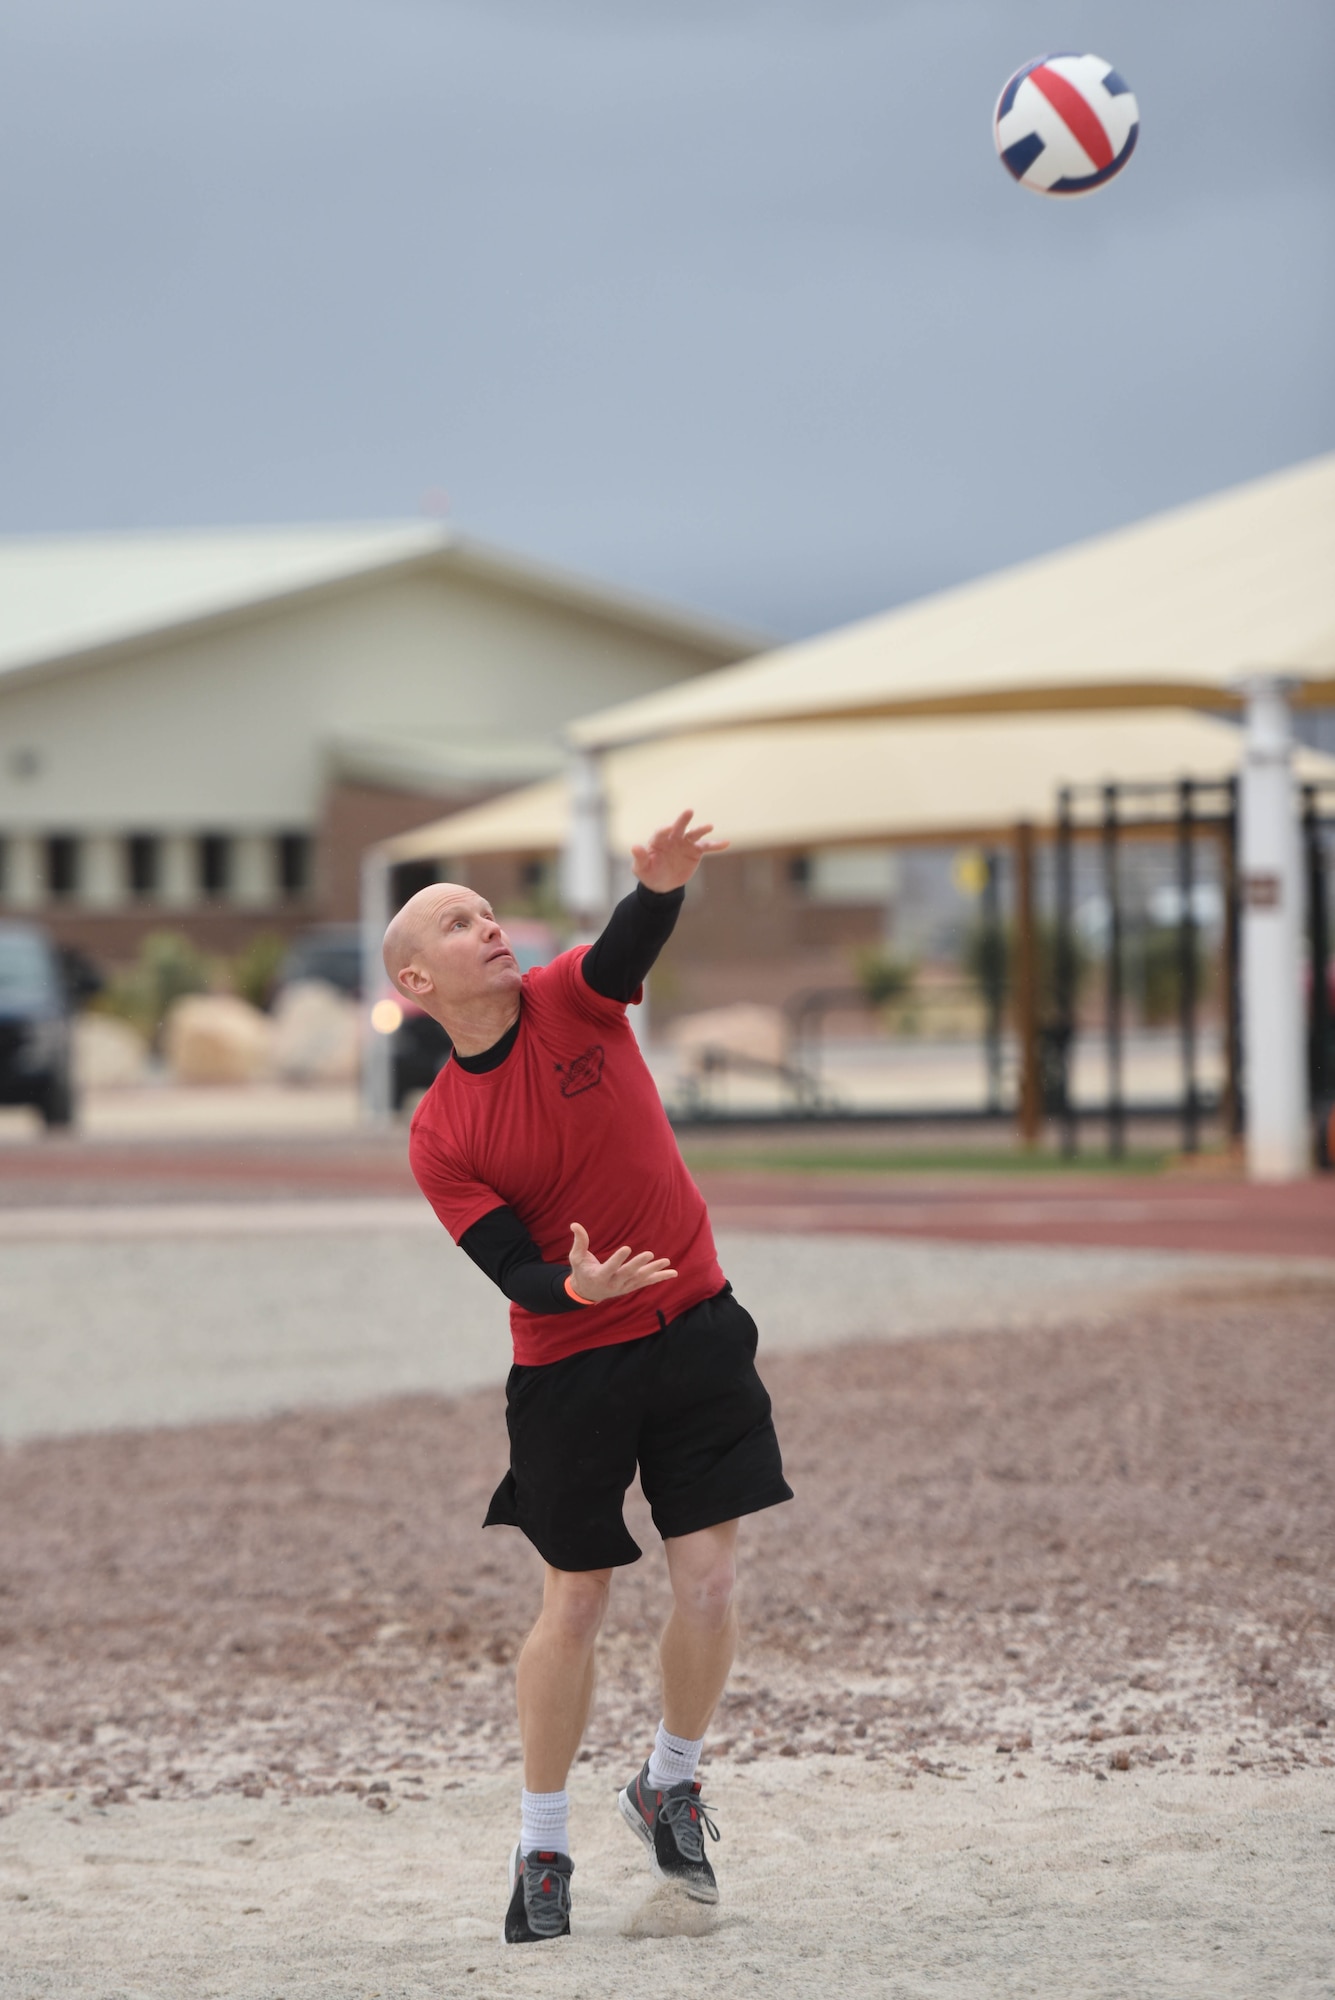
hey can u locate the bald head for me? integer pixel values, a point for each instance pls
(446, 952)
(409, 926)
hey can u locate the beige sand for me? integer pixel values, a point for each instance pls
(838, 1879)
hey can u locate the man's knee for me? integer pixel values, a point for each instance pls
(574, 1601)
(704, 1578)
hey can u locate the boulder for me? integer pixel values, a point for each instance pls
(316, 1034)
(217, 1038)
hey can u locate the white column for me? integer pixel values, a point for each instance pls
(102, 872)
(584, 870)
(1271, 885)
(25, 875)
(377, 1056)
(254, 871)
(178, 880)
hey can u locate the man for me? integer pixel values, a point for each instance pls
(544, 1149)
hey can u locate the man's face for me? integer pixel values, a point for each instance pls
(461, 956)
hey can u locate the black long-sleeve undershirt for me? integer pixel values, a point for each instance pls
(615, 966)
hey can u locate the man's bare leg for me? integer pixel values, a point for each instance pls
(662, 1803)
(554, 1678)
(700, 1638)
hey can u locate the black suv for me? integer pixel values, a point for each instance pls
(35, 1056)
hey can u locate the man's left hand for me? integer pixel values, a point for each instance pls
(671, 856)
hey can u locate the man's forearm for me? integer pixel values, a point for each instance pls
(617, 965)
(504, 1251)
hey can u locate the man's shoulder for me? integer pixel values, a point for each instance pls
(432, 1123)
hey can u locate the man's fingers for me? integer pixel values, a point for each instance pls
(580, 1240)
(649, 1278)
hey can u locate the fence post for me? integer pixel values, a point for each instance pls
(1113, 1024)
(1026, 987)
(1064, 968)
(1186, 963)
(1318, 1035)
(994, 974)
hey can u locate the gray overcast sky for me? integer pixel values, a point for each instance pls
(729, 301)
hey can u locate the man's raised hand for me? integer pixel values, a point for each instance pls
(620, 1274)
(671, 856)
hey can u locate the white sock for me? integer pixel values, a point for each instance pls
(673, 1760)
(546, 1823)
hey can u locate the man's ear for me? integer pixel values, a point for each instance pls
(412, 979)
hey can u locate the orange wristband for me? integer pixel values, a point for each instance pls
(570, 1288)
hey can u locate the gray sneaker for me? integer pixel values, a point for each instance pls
(672, 1825)
(539, 1897)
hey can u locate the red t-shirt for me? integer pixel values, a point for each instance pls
(570, 1128)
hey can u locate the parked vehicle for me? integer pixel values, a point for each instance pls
(332, 952)
(35, 1006)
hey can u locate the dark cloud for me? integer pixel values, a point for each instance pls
(729, 300)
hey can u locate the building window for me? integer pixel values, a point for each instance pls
(215, 864)
(294, 866)
(62, 867)
(407, 877)
(142, 865)
(846, 877)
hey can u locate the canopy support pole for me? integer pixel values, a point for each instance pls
(1272, 927)
(585, 873)
(377, 1054)
(1232, 972)
(1318, 1039)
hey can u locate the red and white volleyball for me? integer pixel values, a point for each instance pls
(1065, 124)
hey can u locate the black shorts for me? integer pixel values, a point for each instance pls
(685, 1404)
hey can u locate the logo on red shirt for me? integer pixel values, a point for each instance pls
(581, 1072)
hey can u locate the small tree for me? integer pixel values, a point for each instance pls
(255, 970)
(882, 977)
(167, 968)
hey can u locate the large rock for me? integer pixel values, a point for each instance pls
(107, 1053)
(316, 1034)
(216, 1038)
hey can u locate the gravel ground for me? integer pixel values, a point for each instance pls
(1037, 1694)
(148, 1314)
(1088, 1545)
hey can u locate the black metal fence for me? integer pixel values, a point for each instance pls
(1189, 814)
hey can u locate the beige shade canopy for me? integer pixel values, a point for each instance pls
(1175, 611)
(828, 783)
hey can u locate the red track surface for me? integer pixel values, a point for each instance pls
(1160, 1213)
(1166, 1212)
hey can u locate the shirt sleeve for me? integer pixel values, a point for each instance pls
(618, 963)
(502, 1248)
(458, 1199)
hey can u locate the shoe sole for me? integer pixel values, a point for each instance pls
(634, 1818)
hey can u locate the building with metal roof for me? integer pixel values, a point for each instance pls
(207, 727)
